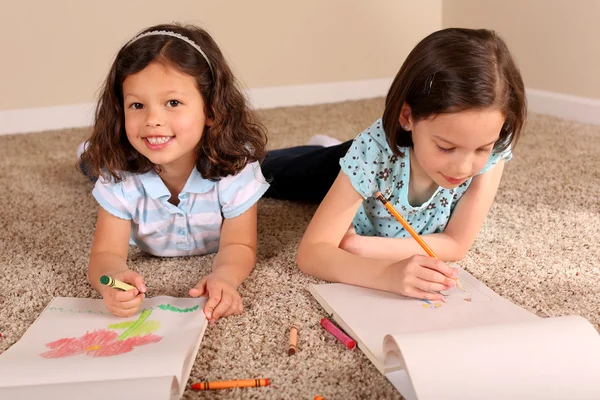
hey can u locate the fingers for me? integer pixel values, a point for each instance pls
(222, 302)
(213, 300)
(422, 277)
(436, 265)
(123, 304)
(135, 279)
(429, 286)
(442, 282)
(199, 289)
(236, 309)
(134, 303)
(422, 294)
(223, 298)
(223, 307)
(122, 296)
(123, 313)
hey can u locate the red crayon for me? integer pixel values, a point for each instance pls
(339, 335)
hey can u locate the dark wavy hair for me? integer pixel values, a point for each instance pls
(235, 138)
(455, 70)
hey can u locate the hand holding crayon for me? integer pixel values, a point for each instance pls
(123, 292)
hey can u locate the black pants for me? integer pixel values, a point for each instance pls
(303, 173)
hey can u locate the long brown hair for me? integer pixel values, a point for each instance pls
(235, 138)
(454, 70)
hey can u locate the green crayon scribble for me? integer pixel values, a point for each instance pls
(168, 307)
(144, 329)
(61, 309)
(122, 325)
(129, 332)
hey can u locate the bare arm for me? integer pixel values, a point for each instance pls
(109, 248)
(109, 257)
(459, 235)
(319, 253)
(232, 265)
(237, 250)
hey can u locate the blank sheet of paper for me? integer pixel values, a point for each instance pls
(554, 358)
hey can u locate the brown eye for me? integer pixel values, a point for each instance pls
(173, 103)
(136, 106)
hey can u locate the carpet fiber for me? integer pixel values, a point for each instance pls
(538, 247)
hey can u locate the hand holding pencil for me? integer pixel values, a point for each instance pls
(416, 266)
(421, 277)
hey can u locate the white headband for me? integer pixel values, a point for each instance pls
(175, 35)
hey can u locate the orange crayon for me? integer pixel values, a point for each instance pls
(293, 340)
(317, 397)
(230, 384)
(410, 230)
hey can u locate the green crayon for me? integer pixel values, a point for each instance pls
(115, 283)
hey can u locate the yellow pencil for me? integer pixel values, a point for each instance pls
(410, 230)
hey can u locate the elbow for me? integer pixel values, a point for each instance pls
(456, 257)
(303, 259)
(459, 252)
(454, 246)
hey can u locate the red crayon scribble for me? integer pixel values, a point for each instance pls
(98, 343)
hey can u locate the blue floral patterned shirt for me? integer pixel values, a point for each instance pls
(372, 166)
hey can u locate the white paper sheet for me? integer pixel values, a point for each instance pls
(399, 379)
(176, 326)
(554, 358)
(368, 315)
(163, 388)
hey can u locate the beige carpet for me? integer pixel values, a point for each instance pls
(539, 248)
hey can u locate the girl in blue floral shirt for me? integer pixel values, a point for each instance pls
(452, 114)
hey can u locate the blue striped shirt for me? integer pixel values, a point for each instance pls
(193, 227)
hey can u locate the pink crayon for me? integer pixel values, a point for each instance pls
(339, 335)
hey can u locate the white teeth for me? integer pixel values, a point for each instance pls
(158, 140)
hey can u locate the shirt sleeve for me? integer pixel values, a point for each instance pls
(495, 157)
(361, 164)
(112, 198)
(237, 193)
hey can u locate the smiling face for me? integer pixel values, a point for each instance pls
(451, 148)
(164, 115)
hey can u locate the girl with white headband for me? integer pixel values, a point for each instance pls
(175, 150)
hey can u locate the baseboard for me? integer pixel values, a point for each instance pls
(318, 93)
(46, 118)
(580, 109)
(28, 120)
(80, 115)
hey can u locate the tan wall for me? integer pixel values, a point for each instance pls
(556, 42)
(58, 52)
